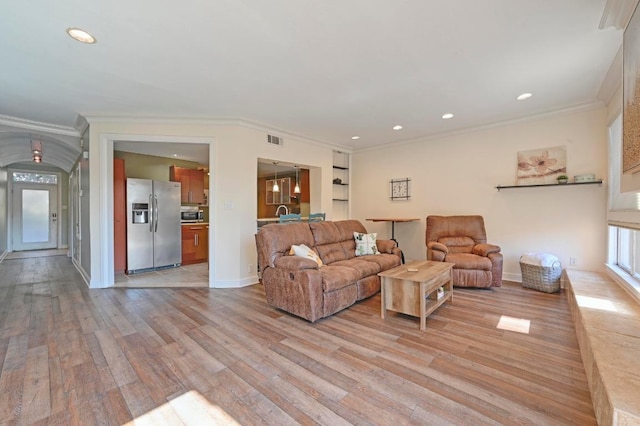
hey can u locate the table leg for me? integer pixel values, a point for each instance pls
(423, 306)
(393, 238)
(383, 305)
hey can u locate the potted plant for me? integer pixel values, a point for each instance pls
(563, 179)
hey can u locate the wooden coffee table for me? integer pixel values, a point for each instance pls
(415, 293)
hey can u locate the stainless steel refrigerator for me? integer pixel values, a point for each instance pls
(153, 225)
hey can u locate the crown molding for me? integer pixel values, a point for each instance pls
(612, 80)
(36, 126)
(218, 121)
(617, 14)
(572, 109)
(81, 125)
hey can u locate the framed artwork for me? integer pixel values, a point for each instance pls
(541, 166)
(400, 189)
(631, 96)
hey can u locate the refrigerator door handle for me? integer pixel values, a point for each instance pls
(155, 200)
(151, 213)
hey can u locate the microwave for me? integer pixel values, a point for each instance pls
(191, 214)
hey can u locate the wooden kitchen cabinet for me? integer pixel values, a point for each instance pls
(195, 243)
(192, 184)
(305, 196)
(119, 217)
(281, 197)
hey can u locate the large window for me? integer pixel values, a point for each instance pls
(624, 256)
(623, 217)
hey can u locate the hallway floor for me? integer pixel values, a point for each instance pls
(35, 253)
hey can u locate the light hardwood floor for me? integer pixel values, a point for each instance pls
(69, 355)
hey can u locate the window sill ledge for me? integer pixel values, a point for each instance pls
(624, 280)
(607, 324)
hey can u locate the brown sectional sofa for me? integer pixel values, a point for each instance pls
(297, 285)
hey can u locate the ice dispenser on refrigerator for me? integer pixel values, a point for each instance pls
(140, 213)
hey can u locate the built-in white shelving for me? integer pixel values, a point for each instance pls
(341, 178)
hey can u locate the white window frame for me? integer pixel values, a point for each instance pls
(623, 216)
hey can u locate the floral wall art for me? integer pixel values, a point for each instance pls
(541, 166)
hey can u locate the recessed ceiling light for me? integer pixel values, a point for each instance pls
(175, 155)
(81, 35)
(355, 138)
(397, 127)
(447, 116)
(524, 96)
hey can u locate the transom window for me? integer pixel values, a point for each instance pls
(30, 177)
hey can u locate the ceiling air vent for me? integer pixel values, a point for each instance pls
(274, 140)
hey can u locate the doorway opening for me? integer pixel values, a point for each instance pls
(34, 211)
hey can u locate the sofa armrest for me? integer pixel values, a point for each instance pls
(434, 245)
(295, 263)
(386, 246)
(298, 292)
(485, 249)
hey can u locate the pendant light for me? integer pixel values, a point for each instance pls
(296, 190)
(36, 149)
(275, 188)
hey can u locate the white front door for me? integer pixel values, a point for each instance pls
(35, 216)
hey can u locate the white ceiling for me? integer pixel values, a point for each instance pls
(326, 70)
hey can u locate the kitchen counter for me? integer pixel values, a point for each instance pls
(275, 219)
(261, 221)
(194, 223)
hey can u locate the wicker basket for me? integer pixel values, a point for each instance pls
(542, 278)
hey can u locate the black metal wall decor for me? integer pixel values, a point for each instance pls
(400, 189)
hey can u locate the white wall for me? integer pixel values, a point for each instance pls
(458, 175)
(4, 222)
(234, 151)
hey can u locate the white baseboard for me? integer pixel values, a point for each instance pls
(507, 276)
(237, 283)
(83, 273)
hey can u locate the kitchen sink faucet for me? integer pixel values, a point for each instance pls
(286, 209)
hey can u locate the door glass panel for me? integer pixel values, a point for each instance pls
(35, 216)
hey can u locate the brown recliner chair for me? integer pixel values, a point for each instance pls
(463, 240)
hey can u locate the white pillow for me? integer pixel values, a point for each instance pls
(365, 243)
(304, 251)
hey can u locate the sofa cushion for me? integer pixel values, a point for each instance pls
(330, 253)
(326, 237)
(384, 261)
(368, 286)
(363, 267)
(469, 261)
(324, 233)
(458, 244)
(471, 278)
(334, 240)
(337, 277)
(334, 301)
(365, 243)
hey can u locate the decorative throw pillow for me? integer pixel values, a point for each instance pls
(365, 243)
(304, 251)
